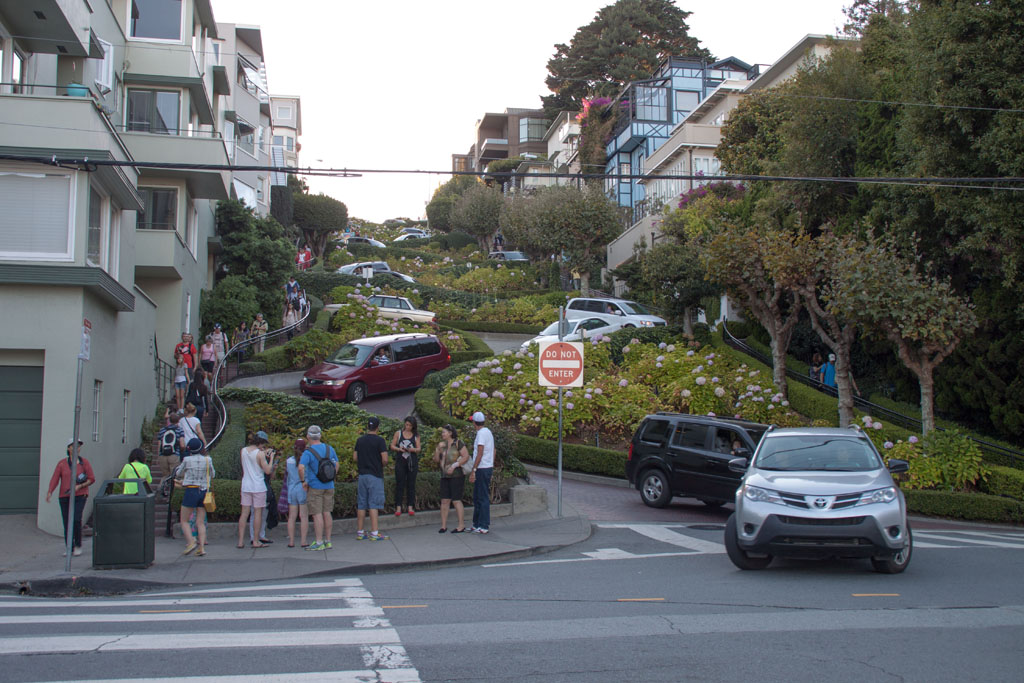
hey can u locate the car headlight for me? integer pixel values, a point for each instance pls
(759, 495)
(646, 323)
(886, 495)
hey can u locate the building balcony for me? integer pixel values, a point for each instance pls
(197, 147)
(686, 137)
(171, 66)
(620, 249)
(160, 254)
(493, 148)
(51, 26)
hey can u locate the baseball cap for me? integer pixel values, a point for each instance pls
(216, 326)
(72, 440)
(832, 357)
(195, 445)
(373, 422)
(262, 435)
(313, 432)
(478, 416)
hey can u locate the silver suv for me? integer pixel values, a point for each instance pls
(817, 493)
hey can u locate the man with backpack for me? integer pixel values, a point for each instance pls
(317, 469)
(170, 443)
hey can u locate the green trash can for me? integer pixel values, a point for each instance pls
(123, 527)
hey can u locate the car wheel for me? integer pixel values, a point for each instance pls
(629, 326)
(356, 393)
(403, 320)
(895, 563)
(654, 489)
(714, 504)
(739, 557)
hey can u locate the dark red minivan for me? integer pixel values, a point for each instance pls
(376, 365)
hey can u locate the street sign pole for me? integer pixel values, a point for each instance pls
(561, 331)
(83, 355)
(560, 364)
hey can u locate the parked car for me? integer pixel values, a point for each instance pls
(818, 493)
(675, 454)
(411, 236)
(364, 240)
(509, 256)
(578, 329)
(633, 314)
(376, 365)
(400, 308)
(395, 275)
(356, 268)
(412, 230)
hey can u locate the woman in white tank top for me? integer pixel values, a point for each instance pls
(254, 488)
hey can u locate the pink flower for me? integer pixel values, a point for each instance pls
(702, 380)
(876, 426)
(598, 391)
(887, 444)
(568, 406)
(623, 382)
(552, 402)
(912, 439)
(719, 392)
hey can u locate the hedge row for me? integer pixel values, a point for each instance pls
(1004, 481)
(970, 506)
(575, 457)
(487, 326)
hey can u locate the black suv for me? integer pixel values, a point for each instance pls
(674, 454)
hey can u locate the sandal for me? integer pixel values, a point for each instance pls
(240, 547)
(442, 530)
(412, 513)
(291, 545)
(459, 531)
(265, 541)
(200, 552)
(258, 546)
(304, 545)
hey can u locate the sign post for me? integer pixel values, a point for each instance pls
(83, 355)
(560, 364)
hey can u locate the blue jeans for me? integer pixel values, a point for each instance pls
(482, 498)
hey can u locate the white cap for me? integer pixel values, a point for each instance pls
(72, 440)
(832, 357)
(478, 416)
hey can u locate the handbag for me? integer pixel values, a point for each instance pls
(210, 500)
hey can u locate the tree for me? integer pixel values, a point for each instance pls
(477, 212)
(255, 250)
(624, 42)
(676, 280)
(317, 216)
(231, 301)
(439, 208)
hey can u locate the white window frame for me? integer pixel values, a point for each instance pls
(191, 225)
(114, 241)
(188, 311)
(97, 408)
(104, 228)
(105, 68)
(284, 112)
(181, 28)
(69, 255)
(126, 401)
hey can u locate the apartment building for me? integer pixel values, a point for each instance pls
(287, 122)
(504, 135)
(562, 156)
(87, 89)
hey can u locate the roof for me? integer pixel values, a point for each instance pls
(853, 431)
(792, 56)
(388, 338)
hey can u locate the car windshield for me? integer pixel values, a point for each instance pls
(813, 452)
(517, 255)
(351, 354)
(633, 308)
(552, 329)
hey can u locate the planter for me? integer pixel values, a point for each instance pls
(77, 90)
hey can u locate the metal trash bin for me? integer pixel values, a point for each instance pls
(123, 527)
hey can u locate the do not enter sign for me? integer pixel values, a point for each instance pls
(561, 364)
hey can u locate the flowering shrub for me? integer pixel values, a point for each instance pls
(485, 280)
(358, 318)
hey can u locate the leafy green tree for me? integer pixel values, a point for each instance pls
(439, 209)
(676, 280)
(256, 250)
(625, 42)
(477, 213)
(317, 216)
(230, 302)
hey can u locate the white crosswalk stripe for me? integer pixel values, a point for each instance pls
(968, 539)
(354, 622)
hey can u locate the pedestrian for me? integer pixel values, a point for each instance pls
(406, 443)
(136, 469)
(208, 354)
(196, 472)
(238, 339)
(220, 343)
(480, 475)
(198, 395)
(191, 427)
(296, 496)
(291, 316)
(317, 469)
(259, 330)
(181, 376)
(270, 515)
(188, 351)
(827, 374)
(253, 489)
(303, 307)
(815, 369)
(291, 290)
(451, 455)
(371, 455)
(82, 480)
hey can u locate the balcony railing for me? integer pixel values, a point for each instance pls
(147, 127)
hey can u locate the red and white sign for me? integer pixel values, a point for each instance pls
(86, 347)
(561, 364)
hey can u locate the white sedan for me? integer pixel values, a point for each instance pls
(400, 308)
(579, 329)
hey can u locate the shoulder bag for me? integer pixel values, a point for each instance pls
(210, 501)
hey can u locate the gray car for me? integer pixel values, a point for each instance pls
(817, 493)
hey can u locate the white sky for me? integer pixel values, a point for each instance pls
(401, 84)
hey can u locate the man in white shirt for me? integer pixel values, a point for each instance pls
(480, 477)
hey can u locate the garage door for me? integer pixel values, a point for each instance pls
(21, 416)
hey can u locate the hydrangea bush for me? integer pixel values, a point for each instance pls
(357, 318)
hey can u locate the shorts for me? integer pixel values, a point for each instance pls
(220, 356)
(370, 493)
(452, 488)
(193, 497)
(297, 495)
(319, 501)
(254, 500)
(181, 385)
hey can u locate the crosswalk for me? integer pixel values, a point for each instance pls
(336, 621)
(710, 542)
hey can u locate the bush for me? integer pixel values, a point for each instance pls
(225, 452)
(230, 302)
(482, 326)
(306, 350)
(945, 460)
(273, 359)
(454, 241)
(970, 506)
(302, 412)
(252, 367)
(323, 320)
(575, 457)
(1004, 481)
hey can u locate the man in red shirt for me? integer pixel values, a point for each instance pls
(81, 484)
(188, 351)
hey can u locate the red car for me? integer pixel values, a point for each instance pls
(376, 365)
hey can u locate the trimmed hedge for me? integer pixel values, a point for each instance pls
(225, 453)
(969, 506)
(1004, 481)
(575, 457)
(252, 367)
(486, 326)
(273, 359)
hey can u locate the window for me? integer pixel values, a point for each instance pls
(97, 402)
(156, 19)
(245, 138)
(278, 141)
(284, 112)
(245, 193)
(191, 224)
(405, 350)
(690, 436)
(216, 51)
(188, 310)
(36, 222)
(105, 69)
(161, 209)
(656, 431)
(18, 72)
(289, 143)
(687, 100)
(260, 193)
(532, 129)
(114, 242)
(153, 111)
(124, 416)
(94, 242)
(651, 103)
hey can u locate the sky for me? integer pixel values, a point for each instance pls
(401, 84)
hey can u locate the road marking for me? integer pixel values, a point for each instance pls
(640, 600)
(924, 544)
(407, 675)
(268, 587)
(401, 606)
(158, 616)
(875, 595)
(610, 554)
(972, 541)
(666, 535)
(50, 603)
(624, 556)
(162, 611)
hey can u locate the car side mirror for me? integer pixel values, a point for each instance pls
(738, 465)
(896, 466)
(373, 363)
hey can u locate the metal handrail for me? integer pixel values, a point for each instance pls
(867, 406)
(222, 414)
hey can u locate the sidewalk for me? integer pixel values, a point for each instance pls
(33, 562)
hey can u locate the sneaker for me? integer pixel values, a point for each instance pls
(327, 545)
(471, 529)
(481, 531)
(76, 552)
(361, 536)
(317, 546)
(379, 537)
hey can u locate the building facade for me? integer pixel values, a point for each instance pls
(286, 113)
(504, 135)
